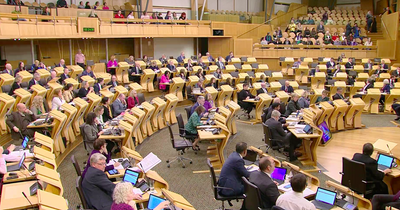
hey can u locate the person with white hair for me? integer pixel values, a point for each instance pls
(35, 80)
(8, 70)
(384, 90)
(18, 122)
(123, 198)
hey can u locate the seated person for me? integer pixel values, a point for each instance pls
(200, 102)
(277, 107)
(339, 94)
(262, 179)
(331, 64)
(294, 200)
(313, 71)
(164, 80)
(18, 122)
(100, 146)
(64, 76)
(368, 85)
(232, 172)
(244, 95)
(277, 132)
(191, 125)
(287, 87)
(171, 66)
(209, 103)
(383, 65)
(263, 88)
(91, 130)
(382, 201)
(85, 89)
(133, 99)
(373, 174)
(113, 82)
(53, 77)
(58, 100)
(37, 106)
(379, 70)
(105, 102)
(98, 86)
(384, 89)
(213, 83)
(15, 85)
(324, 97)
(200, 84)
(35, 80)
(293, 105)
(3, 167)
(119, 105)
(368, 65)
(88, 72)
(304, 101)
(349, 65)
(136, 70)
(68, 92)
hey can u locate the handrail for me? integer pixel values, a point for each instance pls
(384, 25)
(270, 20)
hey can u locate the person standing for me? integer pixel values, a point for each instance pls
(80, 59)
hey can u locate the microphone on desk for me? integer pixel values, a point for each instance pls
(390, 151)
(26, 168)
(26, 197)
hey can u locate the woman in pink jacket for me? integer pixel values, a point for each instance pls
(164, 79)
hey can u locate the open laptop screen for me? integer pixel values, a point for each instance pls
(131, 176)
(385, 160)
(21, 161)
(279, 173)
(325, 196)
(25, 142)
(154, 201)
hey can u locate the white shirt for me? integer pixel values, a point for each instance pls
(294, 201)
(56, 103)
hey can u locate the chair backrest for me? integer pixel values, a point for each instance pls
(254, 65)
(90, 62)
(171, 135)
(264, 117)
(141, 98)
(80, 192)
(267, 134)
(354, 175)
(76, 165)
(181, 124)
(253, 198)
(187, 109)
(214, 183)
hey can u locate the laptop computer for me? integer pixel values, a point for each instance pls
(24, 144)
(131, 176)
(324, 199)
(154, 201)
(307, 129)
(279, 175)
(384, 162)
(16, 167)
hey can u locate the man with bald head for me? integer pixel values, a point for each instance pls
(61, 64)
(18, 122)
(287, 87)
(8, 70)
(263, 88)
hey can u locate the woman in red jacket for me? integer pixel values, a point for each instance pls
(133, 99)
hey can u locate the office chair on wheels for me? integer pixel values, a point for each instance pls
(354, 176)
(253, 199)
(270, 143)
(180, 146)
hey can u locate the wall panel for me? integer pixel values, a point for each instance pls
(173, 46)
(226, 5)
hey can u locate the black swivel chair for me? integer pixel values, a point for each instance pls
(354, 176)
(253, 199)
(215, 187)
(80, 193)
(180, 146)
(187, 109)
(76, 165)
(189, 94)
(182, 131)
(274, 144)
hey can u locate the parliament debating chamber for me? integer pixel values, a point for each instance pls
(196, 104)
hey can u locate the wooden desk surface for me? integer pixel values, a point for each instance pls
(303, 135)
(23, 175)
(204, 135)
(44, 125)
(12, 197)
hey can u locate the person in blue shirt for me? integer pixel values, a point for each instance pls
(181, 58)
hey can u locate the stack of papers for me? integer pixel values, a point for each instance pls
(149, 162)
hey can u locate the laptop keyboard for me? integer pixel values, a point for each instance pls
(382, 167)
(321, 205)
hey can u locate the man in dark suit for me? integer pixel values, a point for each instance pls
(274, 106)
(263, 89)
(85, 89)
(316, 69)
(18, 122)
(230, 56)
(8, 70)
(379, 70)
(349, 65)
(396, 73)
(244, 95)
(61, 64)
(113, 81)
(163, 60)
(134, 74)
(88, 72)
(373, 174)
(181, 58)
(220, 64)
(96, 187)
(188, 66)
(171, 66)
(320, 27)
(35, 80)
(368, 85)
(64, 76)
(331, 64)
(119, 105)
(209, 57)
(278, 133)
(98, 86)
(383, 65)
(232, 172)
(339, 94)
(262, 179)
(368, 66)
(287, 87)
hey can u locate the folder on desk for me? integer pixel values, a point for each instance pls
(149, 162)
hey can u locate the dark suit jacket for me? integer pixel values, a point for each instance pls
(220, 65)
(386, 89)
(243, 95)
(268, 189)
(63, 77)
(5, 71)
(368, 66)
(32, 82)
(231, 175)
(292, 107)
(337, 96)
(98, 189)
(19, 121)
(106, 114)
(289, 89)
(137, 71)
(385, 66)
(259, 91)
(276, 129)
(112, 85)
(82, 93)
(371, 166)
(117, 107)
(367, 86)
(328, 65)
(96, 88)
(13, 88)
(171, 67)
(349, 65)
(64, 66)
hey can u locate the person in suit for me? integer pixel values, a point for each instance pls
(91, 130)
(373, 174)
(378, 71)
(64, 76)
(349, 29)
(133, 99)
(136, 70)
(262, 179)
(21, 67)
(331, 64)
(396, 73)
(368, 85)
(384, 89)
(119, 105)
(96, 187)
(320, 27)
(188, 66)
(98, 86)
(218, 73)
(232, 172)
(202, 64)
(244, 95)
(200, 102)
(294, 199)
(53, 76)
(18, 122)
(181, 58)
(8, 70)
(220, 64)
(383, 65)
(339, 94)
(278, 32)
(304, 101)
(277, 107)
(163, 60)
(314, 70)
(15, 85)
(368, 66)
(229, 57)
(209, 57)
(382, 201)
(89, 72)
(113, 82)
(324, 97)
(263, 88)
(287, 87)
(105, 102)
(35, 80)
(61, 64)
(171, 66)
(293, 105)
(349, 65)
(84, 90)
(278, 133)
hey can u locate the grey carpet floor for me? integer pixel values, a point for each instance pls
(196, 188)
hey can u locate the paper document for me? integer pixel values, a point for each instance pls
(112, 161)
(149, 162)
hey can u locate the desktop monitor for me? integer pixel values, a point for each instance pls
(385, 160)
(326, 133)
(154, 201)
(131, 176)
(325, 196)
